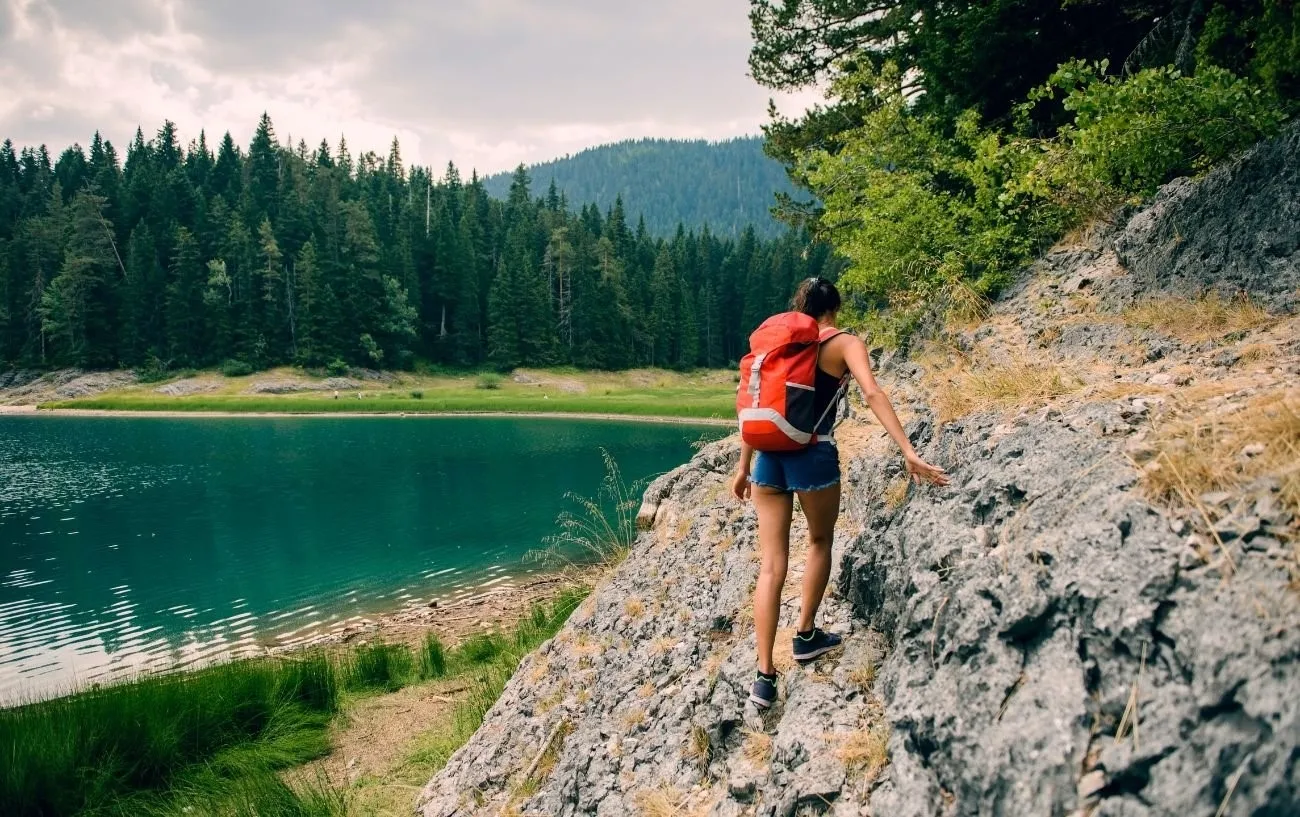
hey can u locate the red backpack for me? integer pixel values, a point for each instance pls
(777, 394)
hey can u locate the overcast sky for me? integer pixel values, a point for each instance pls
(486, 83)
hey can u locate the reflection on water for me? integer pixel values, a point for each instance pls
(134, 545)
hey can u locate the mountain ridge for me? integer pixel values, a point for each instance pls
(728, 184)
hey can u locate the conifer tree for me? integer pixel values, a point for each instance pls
(184, 306)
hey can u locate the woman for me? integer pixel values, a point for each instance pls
(814, 474)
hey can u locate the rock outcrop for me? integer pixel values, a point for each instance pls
(1068, 629)
(24, 387)
(1237, 230)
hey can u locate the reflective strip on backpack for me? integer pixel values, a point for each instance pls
(774, 417)
(755, 376)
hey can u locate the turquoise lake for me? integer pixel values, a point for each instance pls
(134, 544)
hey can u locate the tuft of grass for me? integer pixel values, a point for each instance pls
(488, 382)
(757, 748)
(665, 802)
(864, 753)
(385, 667)
(481, 649)
(965, 307)
(634, 607)
(864, 677)
(603, 528)
(633, 718)
(959, 386)
(699, 746)
(1210, 317)
(433, 658)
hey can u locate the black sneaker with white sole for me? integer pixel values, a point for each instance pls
(763, 693)
(814, 645)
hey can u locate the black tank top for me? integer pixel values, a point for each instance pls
(827, 390)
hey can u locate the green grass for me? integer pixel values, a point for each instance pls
(691, 403)
(210, 742)
(85, 753)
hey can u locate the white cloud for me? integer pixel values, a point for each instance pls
(488, 84)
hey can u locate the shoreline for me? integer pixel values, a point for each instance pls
(493, 610)
(550, 415)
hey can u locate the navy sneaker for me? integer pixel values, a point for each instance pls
(814, 645)
(763, 693)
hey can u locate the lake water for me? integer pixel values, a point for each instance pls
(130, 544)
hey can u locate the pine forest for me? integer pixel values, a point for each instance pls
(189, 257)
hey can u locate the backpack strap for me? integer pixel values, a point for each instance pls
(828, 334)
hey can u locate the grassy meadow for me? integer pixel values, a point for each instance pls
(645, 392)
(226, 740)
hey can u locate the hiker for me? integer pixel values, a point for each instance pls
(791, 386)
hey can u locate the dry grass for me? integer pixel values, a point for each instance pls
(863, 753)
(960, 385)
(757, 748)
(646, 690)
(1257, 353)
(699, 747)
(633, 718)
(634, 607)
(966, 309)
(896, 493)
(1199, 451)
(661, 646)
(1210, 317)
(864, 677)
(665, 802)
(713, 664)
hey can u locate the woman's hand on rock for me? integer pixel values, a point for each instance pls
(740, 486)
(924, 473)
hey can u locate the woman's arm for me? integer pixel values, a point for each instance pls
(859, 365)
(740, 484)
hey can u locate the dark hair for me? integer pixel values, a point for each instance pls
(815, 297)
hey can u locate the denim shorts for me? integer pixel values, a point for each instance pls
(811, 469)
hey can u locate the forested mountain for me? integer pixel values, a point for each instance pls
(281, 254)
(727, 185)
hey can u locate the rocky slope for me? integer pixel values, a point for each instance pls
(1101, 615)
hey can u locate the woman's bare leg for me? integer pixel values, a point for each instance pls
(774, 511)
(821, 509)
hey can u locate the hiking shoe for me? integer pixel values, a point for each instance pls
(814, 645)
(763, 693)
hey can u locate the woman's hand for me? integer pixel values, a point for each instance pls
(924, 472)
(740, 485)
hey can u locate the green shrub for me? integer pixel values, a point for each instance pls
(488, 380)
(417, 395)
(336, 367)
(236, 368)
(1138, 132)
(379, 666)
(433, 658)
